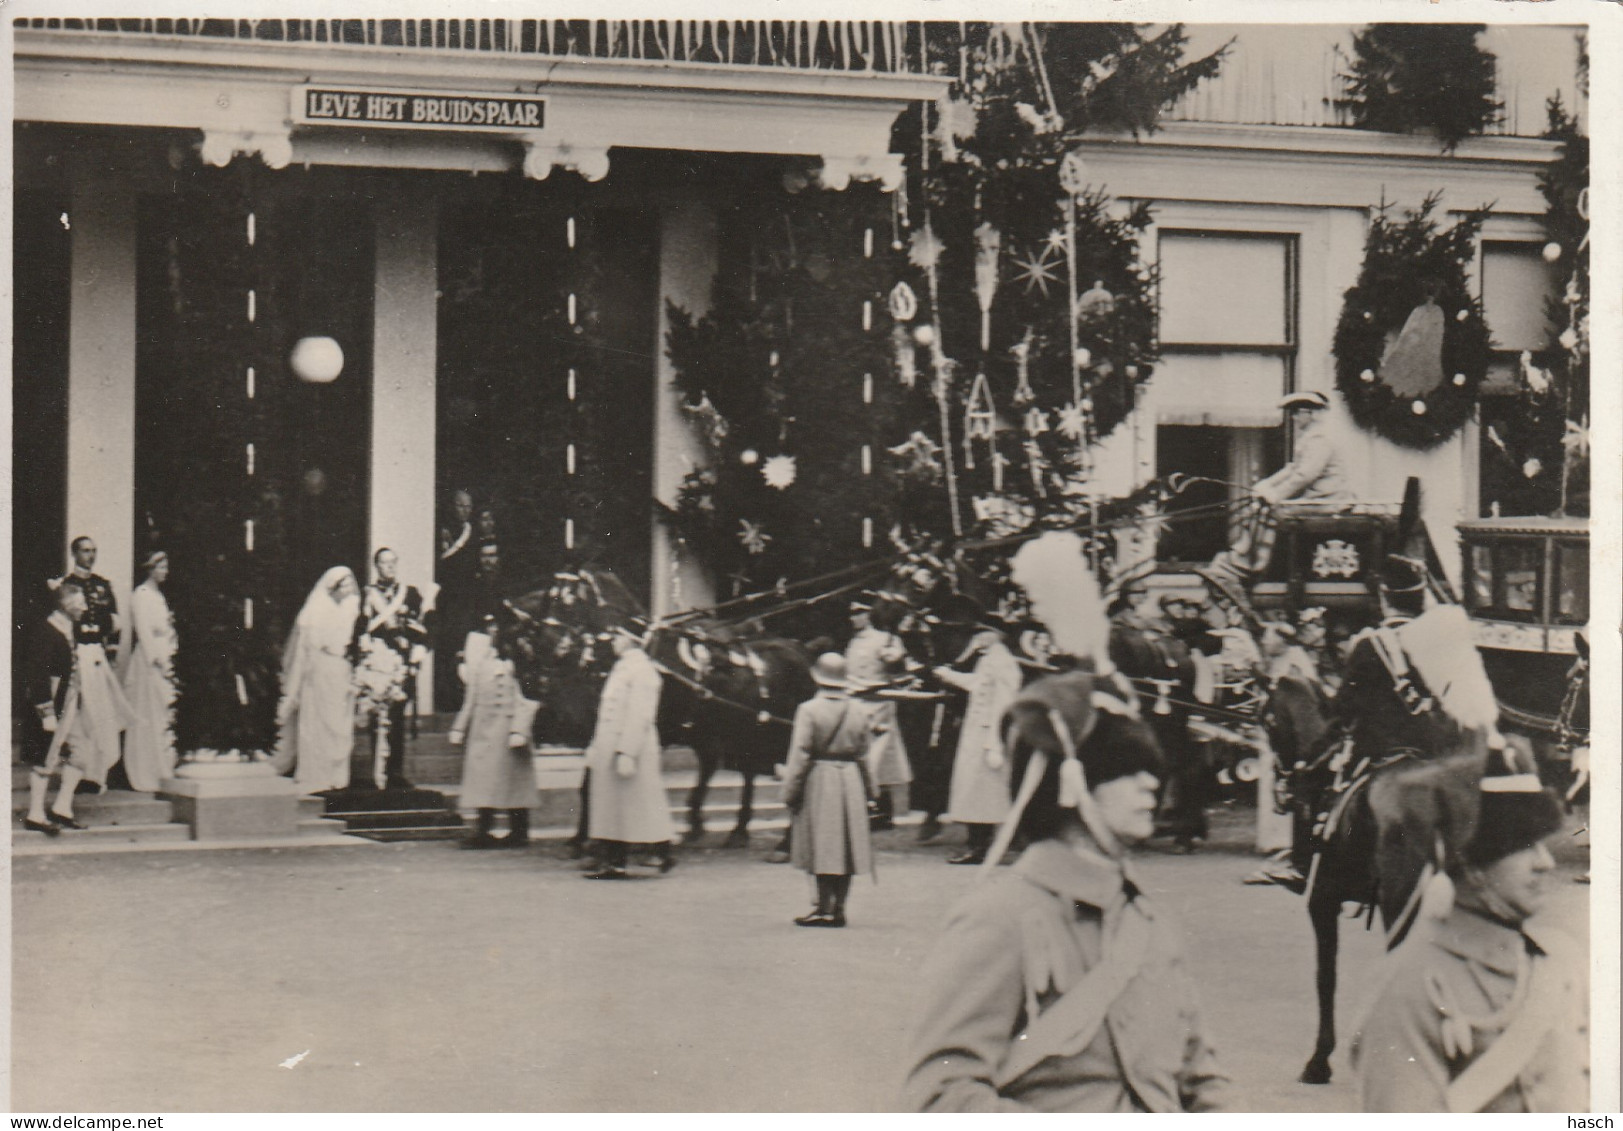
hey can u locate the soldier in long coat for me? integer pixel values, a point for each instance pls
(493, 727)
(1482, 1010)
(979, 798)
(627, 802)
(826, 788)
(1060, 983)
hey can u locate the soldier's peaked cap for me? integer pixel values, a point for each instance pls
(1305, 400)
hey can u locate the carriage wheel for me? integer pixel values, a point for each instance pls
(1247, 770)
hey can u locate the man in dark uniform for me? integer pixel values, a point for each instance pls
(49, 689)
(459, 549)
(1145, 649)
(488, 587)
(100, 624)
(392, 620)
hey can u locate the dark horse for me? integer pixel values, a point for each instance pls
(731, 696)
(1339, 811)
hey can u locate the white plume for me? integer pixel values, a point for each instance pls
(1442, 647)
(1064, 594)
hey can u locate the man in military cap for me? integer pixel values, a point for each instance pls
(1484, 1011)
(1315, 475)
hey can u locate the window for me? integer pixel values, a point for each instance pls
(1517, 286)
(1228, 349)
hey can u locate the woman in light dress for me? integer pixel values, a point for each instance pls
(149, 680)
(317, 712)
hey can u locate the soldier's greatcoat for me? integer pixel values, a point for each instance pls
(980, 771)
(824, 786)
(629, 810)
(1012, 949)
(1477, 1015)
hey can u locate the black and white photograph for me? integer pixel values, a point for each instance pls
(701, 563)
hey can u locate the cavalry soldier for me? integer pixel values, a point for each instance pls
(1482, 1010)
(1059, 984)
(979, 798)
(627, 805)
(826, 789)
(1415, 700)
(393, 639)
(875, 659)
(100, 623)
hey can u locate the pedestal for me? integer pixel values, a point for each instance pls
(233, 800)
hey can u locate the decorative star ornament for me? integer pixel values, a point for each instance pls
(779, 472)
(753, 536)
(1036, 421)
(1037, 268)
(1055, 241)
(1072, 422)
(925, 250)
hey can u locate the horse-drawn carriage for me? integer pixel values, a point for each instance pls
(1527, 590)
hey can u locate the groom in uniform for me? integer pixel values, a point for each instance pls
(392, 615)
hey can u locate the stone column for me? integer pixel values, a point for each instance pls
(687, 271)
(403, 405)
(101, 376)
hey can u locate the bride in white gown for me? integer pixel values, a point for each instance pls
(317, 712)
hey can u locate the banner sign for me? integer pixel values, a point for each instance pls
(341, 106)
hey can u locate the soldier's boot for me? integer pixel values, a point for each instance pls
(822, 915)
(518, 828)
(836, 911)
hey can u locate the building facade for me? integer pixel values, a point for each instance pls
(492, 220)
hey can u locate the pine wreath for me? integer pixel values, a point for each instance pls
(1412, 346)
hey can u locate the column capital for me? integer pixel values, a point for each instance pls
(541, 157)
(838, 172)
(220, 147)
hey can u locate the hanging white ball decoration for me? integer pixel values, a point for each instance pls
(1459, 380)
(1552, 252)
(924, 335)
(748, 457)
(317, 361)
(1367, 376)
(1465, 312)
(1082, 357)
(1418, 408)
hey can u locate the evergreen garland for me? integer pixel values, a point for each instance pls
(1407, 264)
(1411, 78)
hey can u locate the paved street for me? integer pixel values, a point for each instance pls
(423, 978)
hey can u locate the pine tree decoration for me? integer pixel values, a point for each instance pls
(1536, 443)
(1034, 280)
(790, 381)
(1421, 78)
(849, 331)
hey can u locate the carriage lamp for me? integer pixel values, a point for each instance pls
(317, 360)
